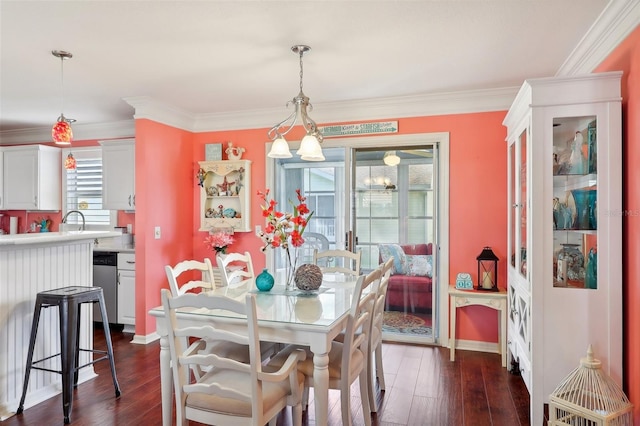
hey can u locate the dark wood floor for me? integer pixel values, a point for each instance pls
(423, 388)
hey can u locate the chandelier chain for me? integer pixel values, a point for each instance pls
(310, 149)
(301, 72)
(62, 85)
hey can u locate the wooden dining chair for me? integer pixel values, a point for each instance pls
(236, 269)
(231, 392)
(342, 261)
(375, 336)
(312, 241)
(199, 276)
(191, 276)
(347, 359)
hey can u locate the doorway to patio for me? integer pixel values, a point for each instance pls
(362, 203)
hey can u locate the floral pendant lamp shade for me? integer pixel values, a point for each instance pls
(70, 162)
(61, 132)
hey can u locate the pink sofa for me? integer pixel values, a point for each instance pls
(410, 293)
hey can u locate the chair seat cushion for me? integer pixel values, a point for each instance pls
(238, 351)
(241, 382)
(335, 360)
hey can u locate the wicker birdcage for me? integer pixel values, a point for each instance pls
(588, 397)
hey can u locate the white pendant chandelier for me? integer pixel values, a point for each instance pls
(61, 132)
(391, 158)
(310, 149)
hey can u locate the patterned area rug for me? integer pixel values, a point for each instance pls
(400, 322)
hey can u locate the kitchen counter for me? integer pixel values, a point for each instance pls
(37, 238)
(31, 263)
(129, 248)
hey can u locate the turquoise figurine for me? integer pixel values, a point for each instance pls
(591, 274)
(264, 280)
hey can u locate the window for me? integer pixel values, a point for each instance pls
(82, 190)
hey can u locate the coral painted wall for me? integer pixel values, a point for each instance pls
(478, 188)
(626, 58)
(164, 198)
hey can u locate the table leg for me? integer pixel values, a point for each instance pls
(321, 387)
(165, 381)
(452, 334)
(503, 332)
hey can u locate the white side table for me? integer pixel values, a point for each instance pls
(492, 299)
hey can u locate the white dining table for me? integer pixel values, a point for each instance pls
(289, 317)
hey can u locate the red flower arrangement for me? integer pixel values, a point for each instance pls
(285, 229)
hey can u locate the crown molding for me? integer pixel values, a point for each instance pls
(615, 23)
(471, 101)
(482, 100)
(152, 109)
(114, 129)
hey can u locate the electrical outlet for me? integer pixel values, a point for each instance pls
(258, 230)
(157, 232)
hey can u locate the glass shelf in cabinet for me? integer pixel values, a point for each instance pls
(571, 182)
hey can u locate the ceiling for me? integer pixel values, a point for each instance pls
(216, 58)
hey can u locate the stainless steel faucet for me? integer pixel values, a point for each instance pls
(64, 219)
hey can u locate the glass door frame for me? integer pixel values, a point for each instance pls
(441, 319)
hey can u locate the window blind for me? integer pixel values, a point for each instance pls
(84, 189)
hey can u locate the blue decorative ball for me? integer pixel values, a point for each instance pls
(264, 280)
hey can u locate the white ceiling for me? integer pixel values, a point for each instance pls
(218, 58)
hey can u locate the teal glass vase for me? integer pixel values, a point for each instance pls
(264, 280)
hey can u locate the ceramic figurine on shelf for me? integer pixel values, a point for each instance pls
(591, 274)
(234, 153)
(201, 175)
(577, 158)
(225, 186)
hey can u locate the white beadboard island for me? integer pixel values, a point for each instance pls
(31, 263)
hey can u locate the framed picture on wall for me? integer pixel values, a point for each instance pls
(213, 152)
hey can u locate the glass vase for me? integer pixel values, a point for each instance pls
(264, 280)
(290, 266)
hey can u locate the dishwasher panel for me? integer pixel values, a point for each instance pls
(105, 276)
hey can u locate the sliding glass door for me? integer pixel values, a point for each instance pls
(393, 199)
(361, 203)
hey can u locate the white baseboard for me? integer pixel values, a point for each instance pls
(478, 346)
(145, 339)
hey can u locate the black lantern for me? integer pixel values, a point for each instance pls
(487, 270)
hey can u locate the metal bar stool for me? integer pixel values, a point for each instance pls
(69, 301)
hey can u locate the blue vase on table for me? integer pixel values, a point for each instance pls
(264, 280)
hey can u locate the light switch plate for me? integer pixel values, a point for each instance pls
(157, 232)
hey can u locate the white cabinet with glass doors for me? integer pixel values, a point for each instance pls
(119, 174)
(564, 229)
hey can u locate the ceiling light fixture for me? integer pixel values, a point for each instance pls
(61, 132)
(391, 158)
(310, 149)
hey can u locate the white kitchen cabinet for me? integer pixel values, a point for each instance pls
(32, 178)
(564, 268)
(225, 195)
(119, 173)
(127, 291)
